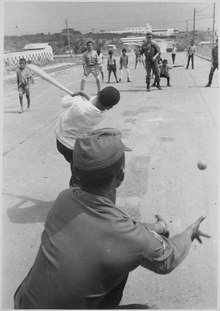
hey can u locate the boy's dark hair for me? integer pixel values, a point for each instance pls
(22, 60)
(124, 50)
(98, 51)
(164, 61)
(101, 177)
(89, 42)
(110, 52)
(108, 97)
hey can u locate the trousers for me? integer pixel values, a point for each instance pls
(151, 65)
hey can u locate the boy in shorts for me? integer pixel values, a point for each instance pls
(81, 114)
(24, 80)
(90, 65)
(111, 66)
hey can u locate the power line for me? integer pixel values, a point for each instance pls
(204, 8)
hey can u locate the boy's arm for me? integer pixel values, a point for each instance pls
(81, 93)
(120, 63)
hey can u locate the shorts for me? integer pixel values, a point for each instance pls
(91, 69)
(100, 68)
(23, 89)
(112, 68)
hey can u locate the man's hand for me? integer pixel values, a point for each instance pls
(162, 222)
(195, 232)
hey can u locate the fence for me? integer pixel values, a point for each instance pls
(34, 56)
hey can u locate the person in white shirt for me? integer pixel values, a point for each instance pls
(81, 114)
(173, 54)
(100, 63)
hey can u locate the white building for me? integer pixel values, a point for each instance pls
(162, 32)
(34, 52)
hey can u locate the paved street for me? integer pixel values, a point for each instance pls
(168, 132)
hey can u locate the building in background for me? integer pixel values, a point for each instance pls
(161, 32)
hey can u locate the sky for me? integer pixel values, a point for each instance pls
(31, 17)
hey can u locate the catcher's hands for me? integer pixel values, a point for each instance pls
(162, 222)
(195, 232)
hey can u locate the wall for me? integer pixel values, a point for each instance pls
(33, 56)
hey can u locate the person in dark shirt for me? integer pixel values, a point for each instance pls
(214, 63)
(89, 246)
(151, 51)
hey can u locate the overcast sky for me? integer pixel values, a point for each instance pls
(49, 16)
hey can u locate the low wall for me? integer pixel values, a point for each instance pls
(10, 59)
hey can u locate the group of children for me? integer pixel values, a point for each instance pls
(123, 63)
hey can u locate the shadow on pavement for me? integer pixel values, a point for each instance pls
(33, 212)
(11, 111)
(137, 306)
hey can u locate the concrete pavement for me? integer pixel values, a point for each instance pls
(168, 131)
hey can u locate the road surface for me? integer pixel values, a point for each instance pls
(168, 131)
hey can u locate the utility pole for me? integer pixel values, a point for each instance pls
(213, 26)
(68, 37)
(186, 28)
(194, 22)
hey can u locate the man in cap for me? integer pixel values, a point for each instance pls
(89, 246)
(151, 51)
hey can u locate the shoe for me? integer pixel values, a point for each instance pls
(117, 81)
(158, 87)
(186, 68)
(169, 85)
(153, 85)
(28, 108)
(21, 111)
(208, 85)
(128, 80)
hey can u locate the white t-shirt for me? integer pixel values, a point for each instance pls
(79, 117)
(174, 49)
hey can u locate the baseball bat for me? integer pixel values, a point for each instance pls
(41, 73)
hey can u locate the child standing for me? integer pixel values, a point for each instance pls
(111, 66)
(81, 114)
(100, 63)
(24, 79)
(124, 65)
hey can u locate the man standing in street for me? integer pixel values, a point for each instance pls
(151, 50)
(214, 63)
(90, 65)
(190, 53)
(89, 246)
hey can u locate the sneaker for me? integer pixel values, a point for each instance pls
(28, 108)
(169, 85)
(153, 85)
(128, 80)
(21, 111)
(208, 85)
(158, 87)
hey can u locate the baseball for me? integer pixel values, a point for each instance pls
(202, 165)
